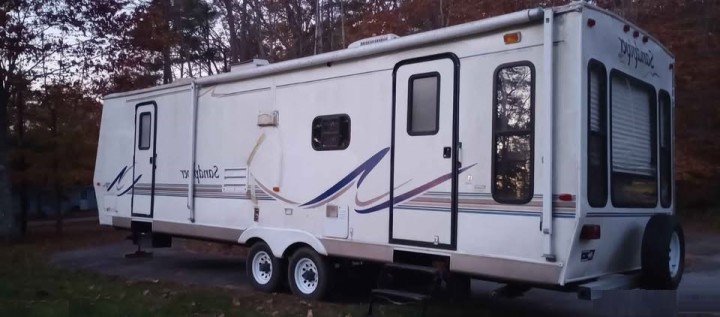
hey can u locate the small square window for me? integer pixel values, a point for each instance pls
(331, 132)
(423, 104)
(144, 131)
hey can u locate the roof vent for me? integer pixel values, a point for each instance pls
(248, 65)
(373, 40)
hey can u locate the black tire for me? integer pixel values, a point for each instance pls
(318, 279)
(655, 254)
(275, 270)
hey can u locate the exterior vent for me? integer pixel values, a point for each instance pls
(248, 65)
(373, 40)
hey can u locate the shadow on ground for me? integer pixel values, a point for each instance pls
(699, 292)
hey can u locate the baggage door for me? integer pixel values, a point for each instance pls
(144, 160)
(424, 145)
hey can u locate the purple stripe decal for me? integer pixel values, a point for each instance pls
(269, 192)
(412, 193)
(373, 200)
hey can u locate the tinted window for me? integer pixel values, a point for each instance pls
(513, 111)
(423, 104)
(633, 142)
(665, 149)
(331, 132)
(597, 135)
(144, 133)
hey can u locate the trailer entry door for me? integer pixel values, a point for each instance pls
(424, 146)
(144, 160)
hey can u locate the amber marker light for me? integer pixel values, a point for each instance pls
(512, 38)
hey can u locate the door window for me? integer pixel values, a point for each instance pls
(144, 132)
(424, 104)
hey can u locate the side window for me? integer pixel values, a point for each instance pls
(597, 189)
(665, 149)
(331, 132)
(144, 132)
(633, 142)
(423, 104)
(513, 115)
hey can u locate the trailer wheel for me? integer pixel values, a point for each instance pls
(264, 270)
(308, 274)
(663, 253)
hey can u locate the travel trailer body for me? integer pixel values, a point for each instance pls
(531, 148)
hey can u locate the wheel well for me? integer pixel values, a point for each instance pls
(252, 241)
(293, 247)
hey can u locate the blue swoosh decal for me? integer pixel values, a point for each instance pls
(117, 178)
(131, 186)
(363, 170)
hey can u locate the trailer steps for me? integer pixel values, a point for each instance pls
(404, 284)
(412, 267)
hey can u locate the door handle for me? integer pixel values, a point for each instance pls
(151, 160)
(447, 152)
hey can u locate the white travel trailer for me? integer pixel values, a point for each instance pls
(533, 148)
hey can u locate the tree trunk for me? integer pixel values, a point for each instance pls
(57, 191)
(9, 229)
(244, 53)
(167, 62)
(56, 171)
(233, 31)
(21, 164)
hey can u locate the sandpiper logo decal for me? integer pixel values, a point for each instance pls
(119, 182)
(201, 173)
(634, 53)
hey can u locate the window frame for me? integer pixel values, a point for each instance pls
(530, 131)
(141, 130)
(652, 92)
(411, 80)
(331, 117)
(665, 154)
(595, 65)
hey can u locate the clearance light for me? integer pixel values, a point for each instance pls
(626, 28)
(565, 197)
(512, 38)
(276, 189)
(671, 66)
(591, 22)
(636, 34)
(590, 232)
(645, 39)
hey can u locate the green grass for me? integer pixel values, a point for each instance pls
(29, 286)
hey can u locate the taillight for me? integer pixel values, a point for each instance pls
(590, 232)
